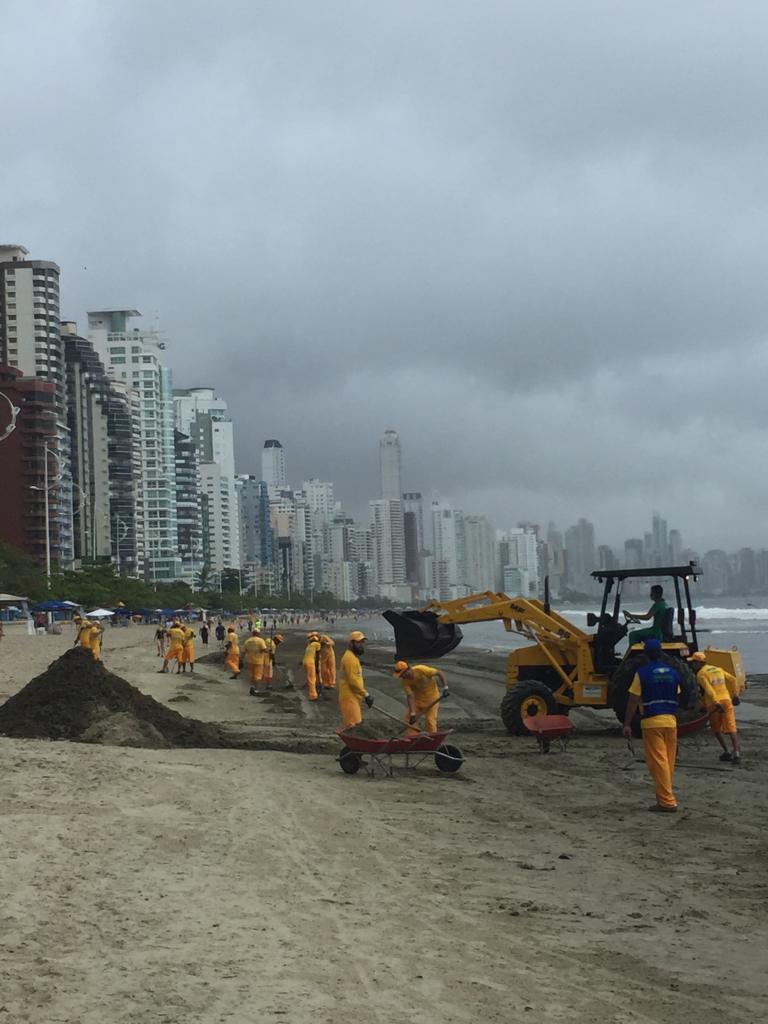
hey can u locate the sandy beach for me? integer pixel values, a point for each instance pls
(241, 885)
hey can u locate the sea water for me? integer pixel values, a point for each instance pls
(720, 622)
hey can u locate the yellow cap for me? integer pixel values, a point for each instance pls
(400, 667)
(698, 656)
(278, 638)
(357, 635)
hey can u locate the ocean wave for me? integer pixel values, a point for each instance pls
(702, 613)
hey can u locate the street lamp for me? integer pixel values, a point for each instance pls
(46, 488)
(15, 410)
(120, 522)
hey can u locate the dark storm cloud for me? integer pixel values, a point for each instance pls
(529, 236)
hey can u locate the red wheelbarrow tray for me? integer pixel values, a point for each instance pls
(549, 727)
(424, 742)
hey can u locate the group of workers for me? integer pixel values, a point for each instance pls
(260, 654)
(319, 663)
(88, 634)
(181, 647)
(654, 693)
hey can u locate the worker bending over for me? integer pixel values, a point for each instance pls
(327, 663)
(83, 637)
(232, 647)
(352, 691)
(656, 612)
(96, 633)
(655, 690)
(175, 650)
(719, 686)
(310, 662)
(424, 688)
(269, 663)
(187, 651)
(255, 648)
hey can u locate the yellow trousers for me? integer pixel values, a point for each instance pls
(350, 707)
(232, 661)
(430, 719)
(311, 671)
(660, 747)
(328, 672)
(187, 655)
(256, 669)
(174, 653)
(96, 650)
(722, 721)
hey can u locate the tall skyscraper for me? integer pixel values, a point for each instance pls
(413, 526)
(273, 471)
(134, 357)
(480, 554)
(189, 510)
(388, 543)
(205, 418)
(449, 551)
(30, 340)
(580, 556)
(389, 466)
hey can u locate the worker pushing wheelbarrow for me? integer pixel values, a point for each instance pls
(417, 744)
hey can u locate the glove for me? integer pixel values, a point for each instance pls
(412, 719)
(735, 701)
(368, 700)
(444, 694)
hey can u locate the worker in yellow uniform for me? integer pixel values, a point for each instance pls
(310, 663)
(269, 663)
(327, 663)
(255, 648)
(96, 633)
(424, 688)
(187, 651)
(719, 687)
(175, 650)
(352, 691)
(232, 647)
(654, 690)
(83, 638)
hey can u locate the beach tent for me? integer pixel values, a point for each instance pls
(99, 613)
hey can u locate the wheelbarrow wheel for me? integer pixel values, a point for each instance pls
(448, 759)
(350, 761)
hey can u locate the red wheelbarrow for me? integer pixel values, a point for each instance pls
(549, 727)
(448, 758)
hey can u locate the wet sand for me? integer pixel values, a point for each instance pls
(242, 885)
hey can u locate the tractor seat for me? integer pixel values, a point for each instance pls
(668, 626)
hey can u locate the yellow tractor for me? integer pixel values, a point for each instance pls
(564, 666)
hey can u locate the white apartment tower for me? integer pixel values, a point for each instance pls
(273, 467)
(205, 418)
(133, 357)
(388, 546)
(390, 466)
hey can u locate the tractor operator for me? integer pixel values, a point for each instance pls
(718, 686)
(421, 684)
(655, 690)
(352, 691)
(656, 612)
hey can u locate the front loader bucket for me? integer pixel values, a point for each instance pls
(420, 635)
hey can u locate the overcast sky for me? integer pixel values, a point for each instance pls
(529, 236)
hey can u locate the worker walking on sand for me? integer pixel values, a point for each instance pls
(310, 663)
(719, 688)
(187, 651)
(654, 690)
(160, 637)
(255, 648)
(327, 663)
(269, 662)
(352, 691)
(424, 688)
(175, 650)
(232, 647)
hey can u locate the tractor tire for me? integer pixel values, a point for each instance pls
(625, 673)
(525, 699)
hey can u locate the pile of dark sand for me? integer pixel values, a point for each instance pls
(375, 729)
(77, 698)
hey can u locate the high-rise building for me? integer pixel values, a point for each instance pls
(413, 527)
(449, 551)
(30, 340)
(580, 557)
(255, 523)
(189, 510)
(273, 470)
(134, 357)
(204, 417)
(479, 553)
(388, 544)
(522, 554)
(389, 466)
(24, 455)
(89, 394)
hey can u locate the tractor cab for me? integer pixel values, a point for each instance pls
(679, 625)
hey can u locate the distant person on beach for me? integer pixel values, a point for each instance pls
(175, 650)
(656, 612)
(310, 661)
(654, 691)
(204, 634)
(352, 691)
(187, 651)
(269, 665)
(220, 634)
(255, 648)
(719, 689)
(160, 640)
(232, 660)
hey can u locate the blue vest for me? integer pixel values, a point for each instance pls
(658, 684)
